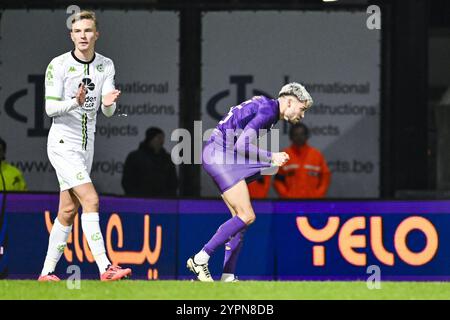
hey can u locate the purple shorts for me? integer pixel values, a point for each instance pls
(227, 167)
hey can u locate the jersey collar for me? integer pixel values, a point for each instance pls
(81, 61)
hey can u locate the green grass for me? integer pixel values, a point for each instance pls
(187, 290)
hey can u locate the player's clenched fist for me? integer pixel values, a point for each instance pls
(81, 94)
(279, 158)
(110, 98)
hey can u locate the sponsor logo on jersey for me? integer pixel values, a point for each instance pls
(49, 75)
(88, 84)
(72, 69)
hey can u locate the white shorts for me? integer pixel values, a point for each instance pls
(72, 166)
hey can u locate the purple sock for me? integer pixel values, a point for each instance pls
(232, 250)
(224, 233)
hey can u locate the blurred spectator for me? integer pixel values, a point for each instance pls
(306, 174)
(149, 171)
(259, 188)
(11, 179)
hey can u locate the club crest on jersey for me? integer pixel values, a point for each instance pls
(100, 67)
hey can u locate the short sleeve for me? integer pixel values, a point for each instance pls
(54, 81)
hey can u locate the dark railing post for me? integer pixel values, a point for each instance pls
(190, 92)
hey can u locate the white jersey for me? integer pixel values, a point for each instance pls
(64, 74)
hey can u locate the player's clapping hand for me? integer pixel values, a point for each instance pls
(81, 94)
(110, 98)
(279, 158)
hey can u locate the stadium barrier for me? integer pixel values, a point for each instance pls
(290, 240)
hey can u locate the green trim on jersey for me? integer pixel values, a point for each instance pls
(84, 131)
(52, 98)
(86, 72)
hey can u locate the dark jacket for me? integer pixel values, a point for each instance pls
(148, 174)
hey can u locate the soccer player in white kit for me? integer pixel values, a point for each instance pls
(77, 83)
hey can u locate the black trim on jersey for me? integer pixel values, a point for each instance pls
(81, 61)
(84, 133)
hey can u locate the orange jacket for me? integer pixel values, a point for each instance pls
(305, 175)
(259, 189)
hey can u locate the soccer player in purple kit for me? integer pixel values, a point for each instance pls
(232, 159)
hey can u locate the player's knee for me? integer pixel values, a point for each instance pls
(91, 201)
(247, 217)
(250, 219)
(67, 214)
(68, 210)
(245, 213)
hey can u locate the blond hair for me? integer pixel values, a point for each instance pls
(297, 90)
(89, 15)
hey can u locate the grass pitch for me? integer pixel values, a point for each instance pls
(244, 290)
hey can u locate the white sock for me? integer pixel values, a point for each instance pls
(227, 277)
(91, 229)
(201, 258)
(56, 244)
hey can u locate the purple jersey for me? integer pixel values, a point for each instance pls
(243, 123)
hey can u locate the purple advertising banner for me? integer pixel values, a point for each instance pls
(354, 240)
(138, 233)
(290, 240)
(3, 239)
